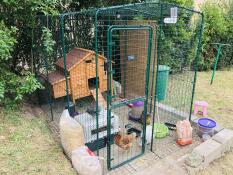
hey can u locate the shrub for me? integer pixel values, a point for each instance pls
(217, 29)
(12, 86)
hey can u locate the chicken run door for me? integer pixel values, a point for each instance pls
(128, 67)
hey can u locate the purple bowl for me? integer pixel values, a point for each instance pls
(206, 123)
(138, 103)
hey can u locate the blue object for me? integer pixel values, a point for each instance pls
(206, 123)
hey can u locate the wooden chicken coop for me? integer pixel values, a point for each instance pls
(81, 68)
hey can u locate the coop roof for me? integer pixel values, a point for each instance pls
(55, 77)
(74, 57)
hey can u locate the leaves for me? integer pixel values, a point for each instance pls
(13, 87)
(217, 29)
(21, 14)
(48, 42)
(7, 41)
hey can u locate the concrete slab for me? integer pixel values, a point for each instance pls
(218, 128)
(194, 160)
(164, 167)
(209, 150)
(193, 170)
(225, 137)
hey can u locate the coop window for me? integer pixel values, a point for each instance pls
(92, 83)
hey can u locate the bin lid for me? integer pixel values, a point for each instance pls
(138, 103)
(206, 123)
(164, 68)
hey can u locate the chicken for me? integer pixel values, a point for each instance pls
(125, 140)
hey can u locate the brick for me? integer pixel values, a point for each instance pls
(209, 150)
(225, 137)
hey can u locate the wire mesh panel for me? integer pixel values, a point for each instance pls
(112, 66)
(178, 49)
(127, 145)
(48, 29)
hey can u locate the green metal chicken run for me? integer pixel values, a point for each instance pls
(150, 53)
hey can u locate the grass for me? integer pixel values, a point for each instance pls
(27, 146)
(219, 96)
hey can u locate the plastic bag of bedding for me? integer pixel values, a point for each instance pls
(85, 162)
(71, 133)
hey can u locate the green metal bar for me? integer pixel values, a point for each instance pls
(109, 92)
(158, 59)
(196, 63)
(220, 45)
(150, 29)
(120, 164)
(94, 10)
(153, 76)
(130, 27)
(64, 57)
(97, 80)
(49, 91)
(216, 63)
(47, 68)
(109, 96)
(124, 62)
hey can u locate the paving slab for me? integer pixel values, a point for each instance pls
(194, 160)
(164, 167)
(209, 150)
(224, 137)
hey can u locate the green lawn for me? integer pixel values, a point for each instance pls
(27, 146)
(219, 96)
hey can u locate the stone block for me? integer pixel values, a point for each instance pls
(192, 170)
(218, 128)
(225, 137)
(194, 160)
(209, 150)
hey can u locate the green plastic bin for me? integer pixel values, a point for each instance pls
(162, 82)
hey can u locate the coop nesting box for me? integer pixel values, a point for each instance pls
(81, 68)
